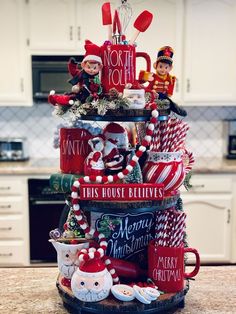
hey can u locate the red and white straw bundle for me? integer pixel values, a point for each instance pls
(169, 136)
(170, 228)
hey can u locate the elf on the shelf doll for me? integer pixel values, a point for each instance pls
(161, 82)
(85, 82)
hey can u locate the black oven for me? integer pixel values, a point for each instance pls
(50, 73)
(47, 211)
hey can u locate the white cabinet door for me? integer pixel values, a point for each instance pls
(89, 22)
(13, 87)
(210, 63)
(208, 225)
(166, 29)
(51, 24)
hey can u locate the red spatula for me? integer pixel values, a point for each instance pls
(106, 18)
(141, 24)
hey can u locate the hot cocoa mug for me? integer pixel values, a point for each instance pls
(119, 66)
(167, 168)
(166, 266)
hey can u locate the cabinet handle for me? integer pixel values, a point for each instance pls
(197, 186)
(79, 33)
(22, 88)
(71, 33)
(5, 206)
(188, 86)
(5, 188)
(177, 86)
(6, 229)
(5, 254)
(228, 216)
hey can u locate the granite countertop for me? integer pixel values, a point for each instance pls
(49, 166)
(33, 290)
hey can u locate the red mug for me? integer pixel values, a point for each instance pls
(119, 66)
(74, 148)
(166, 266)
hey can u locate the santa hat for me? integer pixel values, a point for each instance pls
(116, 132)
(93, 52)
(93, 265)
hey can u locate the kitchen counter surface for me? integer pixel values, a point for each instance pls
(33, 290)
(31, 167)
(49, 166)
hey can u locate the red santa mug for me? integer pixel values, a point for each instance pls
(74, 148)
(166, 266)
(119, 66)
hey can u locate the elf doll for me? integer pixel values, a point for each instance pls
(85, 81)
(161, 82)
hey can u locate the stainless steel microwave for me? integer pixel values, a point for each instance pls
(50, 73)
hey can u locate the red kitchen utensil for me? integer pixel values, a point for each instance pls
(141, 24)
(107, 18)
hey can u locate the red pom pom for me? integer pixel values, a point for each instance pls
(92, 178)
(125, 172)
(97, 254)
(132, 163)
(153, 106)
(77, 212)
(149, 132)
(139, 153)
(96, 234)
(74, 188)
(65, 226)
(115, 178)
(86, 257)
(75, 201)
(87, 230)
(81, 180)
(145, 143)
(104, 179)
(104, 247)
(153, 120)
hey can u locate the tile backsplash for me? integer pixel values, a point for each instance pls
(205, 138)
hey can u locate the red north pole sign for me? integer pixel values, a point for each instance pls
(121, 192)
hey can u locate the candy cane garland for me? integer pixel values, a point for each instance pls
(88, 231)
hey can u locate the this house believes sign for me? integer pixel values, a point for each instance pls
(121, 192)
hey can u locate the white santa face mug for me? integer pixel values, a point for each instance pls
(67, 258)
(91, 282)
(136, 98)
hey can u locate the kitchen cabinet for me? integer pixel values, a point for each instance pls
(166, 29)
(14, 61)
(14, 223)
(210, 48)
(209, 206)
(63, 25)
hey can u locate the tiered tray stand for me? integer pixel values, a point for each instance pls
(111, 305)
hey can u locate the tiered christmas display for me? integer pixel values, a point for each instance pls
(128, 254)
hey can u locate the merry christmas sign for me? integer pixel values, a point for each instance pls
(121, 192)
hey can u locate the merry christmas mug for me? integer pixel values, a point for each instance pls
(119, 65)
(166, 266)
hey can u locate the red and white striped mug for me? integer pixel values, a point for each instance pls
(168, 168)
